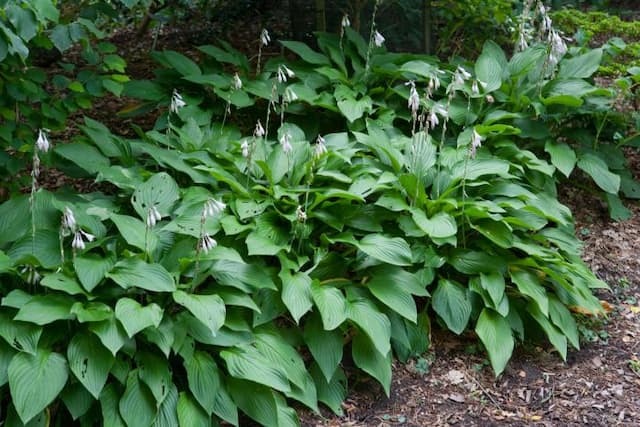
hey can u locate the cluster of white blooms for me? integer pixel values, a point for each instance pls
(320, 148)
(42, 142)
(176, 102)
(153, 216)
(378, 39)
(285, 142)
(237, 82)
(69, 225)
(211, 208)
(284, 73)
(265, 39)
(414, 99)
(476, 142)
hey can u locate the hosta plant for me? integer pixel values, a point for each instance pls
(271, 224)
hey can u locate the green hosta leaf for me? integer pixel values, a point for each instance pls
(153, 370)
(296, 293)
(135, 232)
(159, 191)
(62, 282)
(133, 272)
(451, 303)
(306, 53)
(14, 218)
(90, 362)
(91, 269)
(353, 108)
(331, 304)
(177, 61)
(392, 250)
(134, 317)
(494, 284)
(255, 400)
(496, 231)
(394, 288)
(276, 349)
(598, 170)
(6, 354)
(109, 405)
(45, 248)
(247, 363)
(562, 318)
(16, 299)
(489, 66)
(91, 312)
(111, 334)
(84, 155)
(45, 309)
(332, 393)
(19, 335)
(529, 284)
(77, 400)
(562, 156)
(35, 381)
(581, 66)
(137, 406)
(371, 361)
(556, 337)
(617, 210)
(523, 62)
(325, 346)
(168, 410)
(373, 323)
(474, 262)
(190, 414)
(495, 333)
(163, 336)
(440, 226)
(204, 379)
(238, 274)
(209, 309)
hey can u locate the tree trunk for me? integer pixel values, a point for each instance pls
(427, 27)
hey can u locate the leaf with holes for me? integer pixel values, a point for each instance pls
(90, 362)
(159, 192)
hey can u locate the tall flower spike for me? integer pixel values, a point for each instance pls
(68, 220)
(476, 142)
(237, 82)
(378, 39)
(153, 216)
(245, 149)
(259, 131)
(414, 99)
(176, 102)
(345, 21)
(285, 141)
(320, 148)
(42, 143)
(265, 39)
(213, 207)
(207, 243)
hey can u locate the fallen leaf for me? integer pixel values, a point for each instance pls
(455, 377)
(456, 397)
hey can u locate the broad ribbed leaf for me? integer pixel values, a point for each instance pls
(133, 272)
(440, 226)
(557, 338)
(276, 349)
(581, 66)
(209, 309)
(489, 65)
(332, 393)
(91, 312)
(134, 317)
(495, 333)
(247, 363)
(168, 410)
(109, 405)
(529, 284)
(562, 156)
(306, 53)
(597, 169)
(62, 282)
(153, 370)
(325, 346)
(91, 269)
(296, 293)
(389, 286)
(90, 362)
(159, 191)
(494, 285)
(111, 334)
(255, 400)
(330, 303)
(77, 400)
(134, 232)
(6, 354)
(204, 379)
(371, 361)
(35, 381)
(451, 303)
(392, 250)
(19, 335)
(190, 414)
(137, 406)
(373, 323)
(562, 318)
(45, 309)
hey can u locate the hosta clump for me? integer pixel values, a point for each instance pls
(350, 234)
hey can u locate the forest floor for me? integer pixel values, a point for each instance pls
(453, 384)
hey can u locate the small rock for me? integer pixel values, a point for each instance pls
(456, 397)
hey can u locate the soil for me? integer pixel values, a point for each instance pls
(453, 384)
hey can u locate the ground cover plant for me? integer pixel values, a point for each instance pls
(277, 226)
